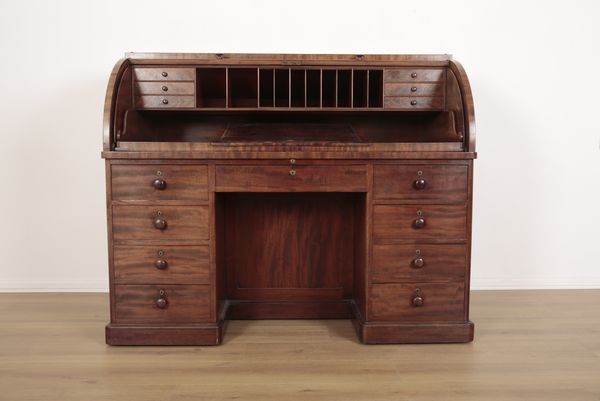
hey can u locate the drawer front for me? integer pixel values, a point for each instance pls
(414, 74)
(401, 263)
(395, 223)
(416, 103)
(164, 74)
(142, 304)
(295, 178)
(161, 265)
(146, 222)
(165, 102)
(165, 88)
(159, 182)
(413, 89)
(440, 302)
(418, 182)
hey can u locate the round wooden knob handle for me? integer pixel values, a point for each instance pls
(413, 75)
(160, 224)
(164, 74)
(420, 183)
(164, 88)
(159, 184)
(418, 262)
(161, 302)
(417, 300)
(161, 264)
(419, 223)
(165, 101)
(413, 102)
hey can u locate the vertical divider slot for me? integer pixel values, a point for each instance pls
(344, 88)
(328, 88)
(375, 88)
(359, 88)
(298, 88)
(211, 88)
(282, 87)
(313, 88)
(243, 88)
(266, 87)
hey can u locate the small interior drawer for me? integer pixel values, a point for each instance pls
(419, 262)
(392, 89)
(164, 102)
(291, 178)
(165, 88)
(160, 223)
(442, 182)
(414, 74)
(438, 302)
(398, 223)
(164, 74)
(159, 182)
(162, 304)
(413, 103)
(161, 264)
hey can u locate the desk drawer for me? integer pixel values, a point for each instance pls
(414, 74)
(401, 263)
(418, 103)
(159, 182)
(160, 222)
(291, 178)
(165, 102)
(398, 223)
(414, 89)
(164, 74)
(165, 88)
(160, 304)
(417, 302)
(161, 264)
(418, 182)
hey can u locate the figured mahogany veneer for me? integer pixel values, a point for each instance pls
(165, 264)
(291, 178)
(187, 183)
(142, 303)
(288, 186)
(162, 223)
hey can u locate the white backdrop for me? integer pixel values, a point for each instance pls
(534, 70)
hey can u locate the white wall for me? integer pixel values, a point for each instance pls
(534, 68)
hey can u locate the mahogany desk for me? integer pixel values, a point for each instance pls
(288, 186)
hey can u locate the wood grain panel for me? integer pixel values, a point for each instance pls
(395, 223)
(185, 264)
(158, 102)
(185, 304)
(157, 74)
(442, 182)
(183, 182)
(264, 178)
(165, 88)
(393, 302)
(406, 74)
(289, 246)
(137, 222)
(395, 263)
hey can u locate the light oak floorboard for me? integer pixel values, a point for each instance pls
(529, 345)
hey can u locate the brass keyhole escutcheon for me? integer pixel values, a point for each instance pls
(292, 172)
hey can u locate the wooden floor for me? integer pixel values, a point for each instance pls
(529, 345)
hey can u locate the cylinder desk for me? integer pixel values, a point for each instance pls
(279, 186)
